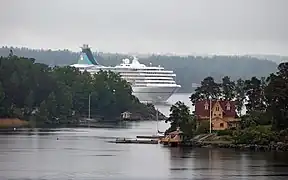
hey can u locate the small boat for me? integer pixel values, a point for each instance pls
(174, 138)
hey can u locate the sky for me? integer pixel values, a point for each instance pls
(148, 26)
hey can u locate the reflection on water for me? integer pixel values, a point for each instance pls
(85, 154)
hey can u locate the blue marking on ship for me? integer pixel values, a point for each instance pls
(86, 56)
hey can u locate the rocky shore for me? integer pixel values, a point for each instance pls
(280, 146)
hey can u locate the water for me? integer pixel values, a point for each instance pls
(85, 154)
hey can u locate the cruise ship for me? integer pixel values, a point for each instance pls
(149, 83)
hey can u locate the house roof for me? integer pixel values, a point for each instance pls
(200, 110)
(178, 131)
(126, 112)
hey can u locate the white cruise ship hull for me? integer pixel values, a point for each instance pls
(154, 94)
(149, 83)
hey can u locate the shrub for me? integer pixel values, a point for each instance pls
(226, 132)
(203, 127)
(260, 135)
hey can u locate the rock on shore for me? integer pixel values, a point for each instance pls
(280, 146)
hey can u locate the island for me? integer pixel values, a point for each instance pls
(218, 119)
(36, 95)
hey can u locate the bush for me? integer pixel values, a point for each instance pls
(261, 135)
(226, 132)
(203, 127)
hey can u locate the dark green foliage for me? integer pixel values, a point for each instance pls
(240, 95)
(226, 132)
(266, 99)
(254, 89)
(228, 88)
(276, 94)
(38, 93)
(203, 127)
(260, 135)
(208, 88)
(189, 69)
(180, 117)
(266, 119)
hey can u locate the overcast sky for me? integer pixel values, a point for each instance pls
(159, 26)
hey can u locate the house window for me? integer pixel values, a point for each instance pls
(228, 107)
(221, 125)
(217, 108)
(206, 106)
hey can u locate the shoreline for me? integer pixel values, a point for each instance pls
(277, 147)
(97, 124)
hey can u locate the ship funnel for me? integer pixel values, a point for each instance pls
(135, 60)
(86, 56)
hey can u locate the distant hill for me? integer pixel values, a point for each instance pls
(275, 58)
(189, 69)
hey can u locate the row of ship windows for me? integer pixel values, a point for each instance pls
(129, 70)
(142, 74)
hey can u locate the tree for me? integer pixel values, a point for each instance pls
(240, 95)
(43, 115)
(228, 88)
(29, 104)
(276, 94)
(208, 88)
(256, 103)
(255, 92)
(51, 106)
(2, 93)
(180, 117)
(2, 96)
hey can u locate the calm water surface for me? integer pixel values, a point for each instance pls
(82, 154)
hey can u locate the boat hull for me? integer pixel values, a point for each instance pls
(154, 94)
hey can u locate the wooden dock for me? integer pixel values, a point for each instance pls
(134, 141)
(150, 137)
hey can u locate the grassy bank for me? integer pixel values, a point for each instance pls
(12, 123)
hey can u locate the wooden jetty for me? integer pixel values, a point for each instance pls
(134, 141)
(150, 137)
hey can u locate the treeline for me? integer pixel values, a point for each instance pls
(59, 95)
(189, 69)
(265, 99)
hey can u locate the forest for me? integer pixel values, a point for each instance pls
(46, 95)
(189, 69)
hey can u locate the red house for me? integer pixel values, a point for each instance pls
(223, 113)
